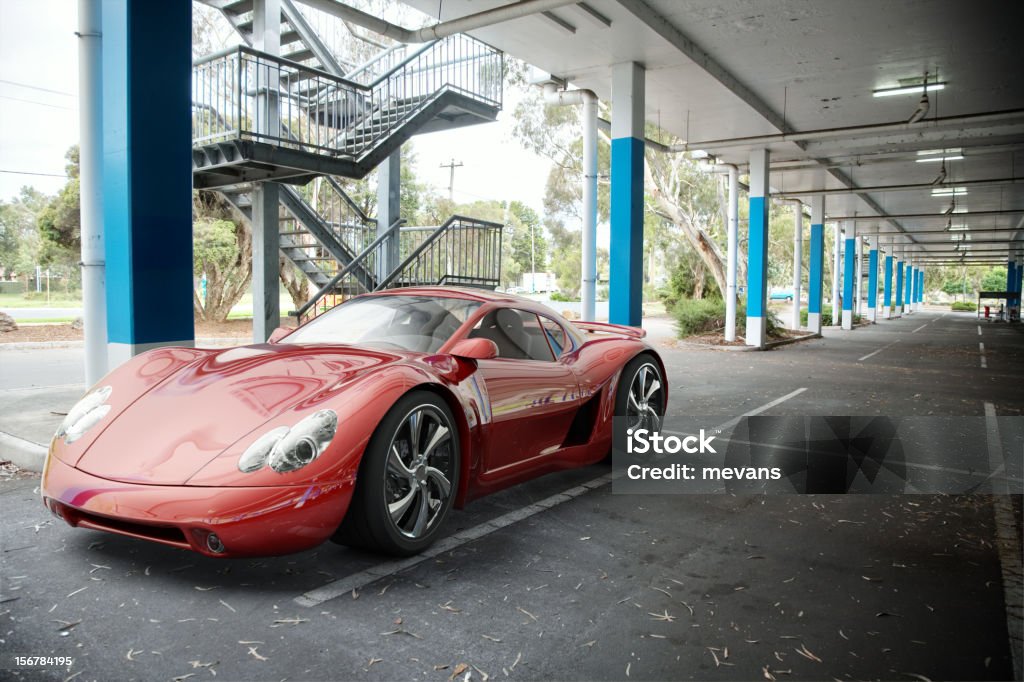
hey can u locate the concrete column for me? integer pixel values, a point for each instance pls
(858, 278)
(90, 120)
(798, 242)
(1020, 278)
(147, 175)
(1011, 278)
(873, 281)
(266, 264)
(389, 208)
(731, 248)
(907, 278)
(920, 288)
(887, 285)
(837, 242)
(899, 283)
(626, 262)
(817, 264)
(849, 273)
(757, 249)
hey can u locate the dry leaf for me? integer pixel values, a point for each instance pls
(459, 669)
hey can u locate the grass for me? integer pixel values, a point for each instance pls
(33, 300)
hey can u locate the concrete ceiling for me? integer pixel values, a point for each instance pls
(725, 69)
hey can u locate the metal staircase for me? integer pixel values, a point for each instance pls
(310, 115)
(261, 117)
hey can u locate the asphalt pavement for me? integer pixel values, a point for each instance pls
(535, 584)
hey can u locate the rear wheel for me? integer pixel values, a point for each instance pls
(640, 396)
(407, 479)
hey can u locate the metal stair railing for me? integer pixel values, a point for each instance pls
(463, 250)
(347, 281)
(328, 114)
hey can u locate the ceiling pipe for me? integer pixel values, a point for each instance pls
(1009, 116)
(588, 100)
(440, 30)
(994, 182)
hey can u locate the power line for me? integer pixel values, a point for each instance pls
(49, 175)
(32, 101)
(36, 87)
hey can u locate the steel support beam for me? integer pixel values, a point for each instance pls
(389, 209)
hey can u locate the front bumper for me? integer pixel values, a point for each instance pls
(247, 521)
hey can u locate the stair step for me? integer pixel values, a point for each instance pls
(234, 7)
(298, 55)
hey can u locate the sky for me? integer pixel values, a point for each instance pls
(39, 118)
(38, 92)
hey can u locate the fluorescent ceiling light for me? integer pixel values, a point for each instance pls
(909, 89)
(958, 228)
(949, 192)
(933, 152)
(936, 159)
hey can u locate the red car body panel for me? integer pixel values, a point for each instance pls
(163, 464)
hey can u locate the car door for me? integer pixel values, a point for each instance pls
(533, 394)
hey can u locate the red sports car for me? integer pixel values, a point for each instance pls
(365, 425)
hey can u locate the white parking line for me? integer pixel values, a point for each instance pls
(981, 349)
(878, 351)
(979, 330)
(919, 328)
(357, 581)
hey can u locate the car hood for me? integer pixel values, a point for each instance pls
(175, 428)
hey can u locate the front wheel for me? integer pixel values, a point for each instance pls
(407, 479)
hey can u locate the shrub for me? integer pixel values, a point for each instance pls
(964, 306)
(559, 297)
(699, 316)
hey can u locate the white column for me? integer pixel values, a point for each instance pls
(837, 239)
(858, 278)
(798, 240)
(733, 229)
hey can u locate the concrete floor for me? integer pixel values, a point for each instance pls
(593, 585)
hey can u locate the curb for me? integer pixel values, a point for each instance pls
(786, 342)
(24, 454)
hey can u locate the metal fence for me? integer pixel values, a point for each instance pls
(246, 94)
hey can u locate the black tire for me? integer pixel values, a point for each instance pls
(388, 507)
(623, 405)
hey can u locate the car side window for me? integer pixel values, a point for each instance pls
(560, 342)
(518, 334)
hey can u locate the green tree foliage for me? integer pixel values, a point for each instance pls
(19, 234)
(529, 246)
(60, 223)
(994, 279)
(222, 251)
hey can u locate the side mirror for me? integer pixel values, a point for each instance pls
(474, 349)
(279, 334)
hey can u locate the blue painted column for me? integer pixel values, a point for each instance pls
(147, 175)
(1020, 279)
(920, 288)
(911, 288)
(815, 277)
(757, 250)
(1011, 279)
(898, 311)
(887, 286)
(626, 260)
(908, 275)
(849, 273)
(873, 281)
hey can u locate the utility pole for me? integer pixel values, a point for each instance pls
(533, 264)
(451, 166)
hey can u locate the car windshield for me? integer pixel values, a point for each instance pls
(416, 323)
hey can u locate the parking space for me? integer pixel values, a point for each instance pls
(591, 585)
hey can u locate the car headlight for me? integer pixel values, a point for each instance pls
(86, 413)
(287, 449)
